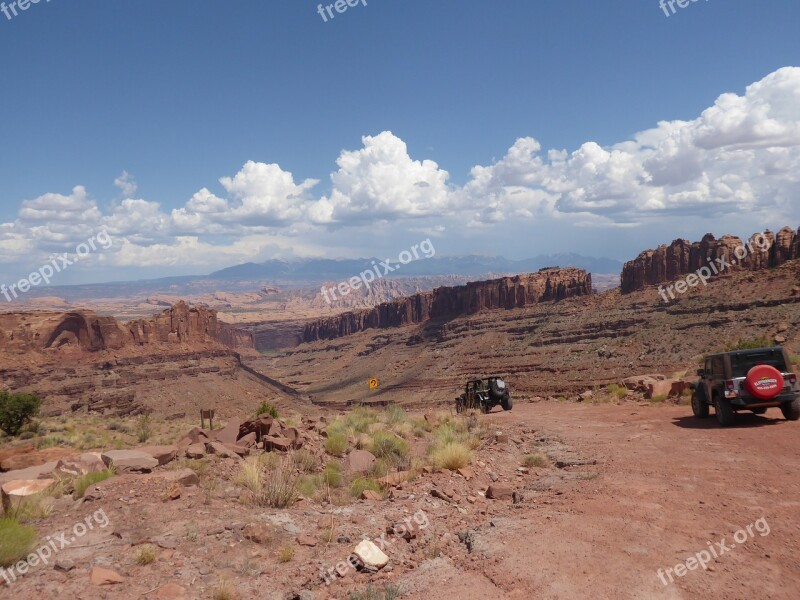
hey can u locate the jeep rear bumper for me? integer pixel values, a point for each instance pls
(750, 402)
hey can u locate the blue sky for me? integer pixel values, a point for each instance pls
(181, 94)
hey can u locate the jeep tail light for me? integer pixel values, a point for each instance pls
(729, 385)
(792, 378)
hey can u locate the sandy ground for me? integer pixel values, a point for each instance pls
(669, 486)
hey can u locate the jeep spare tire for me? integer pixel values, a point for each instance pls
(764, 382)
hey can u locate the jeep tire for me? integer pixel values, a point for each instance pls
(791, 410)
(506, 402)
(725, 413)
(699, 404)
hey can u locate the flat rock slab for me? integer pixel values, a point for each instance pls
(230, 433)
(103, 576)
(129, 461)
(14, 491)
(35, 458)
(220, 449)
(42, 471)
(196, 450)
(163, 454)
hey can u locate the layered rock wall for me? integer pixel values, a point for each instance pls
(681, 257)
(448, 302)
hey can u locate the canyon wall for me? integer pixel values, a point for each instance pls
(448, 302)
(86, 331)
(681, 257)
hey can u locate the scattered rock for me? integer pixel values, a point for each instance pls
(371, 495)
(371, 555)
(103, 576)
(260, 533)
(196, 451)
(163, 454)
(499, 492)
(171, 591)
(14, 491)
(306, 540)
(184, 477)
(129, 461)
(359, 461)
(220, 450)
(64, 565)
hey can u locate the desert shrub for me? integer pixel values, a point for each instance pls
(52, 441)
(280, 486)
(658, 398)
(309, 485)
(145, 555)
(536, 460)
(304, 460)
(336, 443)
(452, 456)
(16, 541)
(390, 592)
(360, 484)
(223, 591)
(16, 410)
(267, 409)
(144, 428)
(82, 483)
(332, 475)
(395, 415)
(285, 554)
(389, 446)
(619, 391)
(381, 468)
(251, 473)
(749, 344)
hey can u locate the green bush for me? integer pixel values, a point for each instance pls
(332, 475)
(617, 390)
(16, 541)
(267, 409)
(360, 484)
(144, 429)
(336, 443)
(388, 446)
(16, 410)
(83, 483)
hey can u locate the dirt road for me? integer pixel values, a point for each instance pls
(669, 487)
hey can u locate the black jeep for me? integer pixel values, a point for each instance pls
(484, 394)
(752, 380)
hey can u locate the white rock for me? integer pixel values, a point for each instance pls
(371, 555)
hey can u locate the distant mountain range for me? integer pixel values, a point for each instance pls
(311, 272)
(320, 269)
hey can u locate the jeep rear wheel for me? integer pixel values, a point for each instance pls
(791, 410)
(725, 412)
(699, 405)
(506, 402)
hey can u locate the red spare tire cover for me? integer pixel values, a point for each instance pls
(764, 382)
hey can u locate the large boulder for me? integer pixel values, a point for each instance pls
(35, 458)
(41, 472)
(9, 452)
(129, 461)
(196, 450)
(163, 454)
(14, 492)
(89, 462)
(220, 450)
(359, 461)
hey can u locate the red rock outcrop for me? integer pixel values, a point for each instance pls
(86, 331)
(681, 257)
(448, 302)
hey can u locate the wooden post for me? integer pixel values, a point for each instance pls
(207, 414)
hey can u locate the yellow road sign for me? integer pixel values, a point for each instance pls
(373, 384)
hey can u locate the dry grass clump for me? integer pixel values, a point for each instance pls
(145, 555)
(285, 554)
(16, 541)
(536, 460)
(274, 484)
(452, 456)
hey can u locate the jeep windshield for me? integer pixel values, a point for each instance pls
(742, 363)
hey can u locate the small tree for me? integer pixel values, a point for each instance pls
(16, 410)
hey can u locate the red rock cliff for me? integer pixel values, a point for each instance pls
(86, 331)
(681, 257)
(446, 302)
